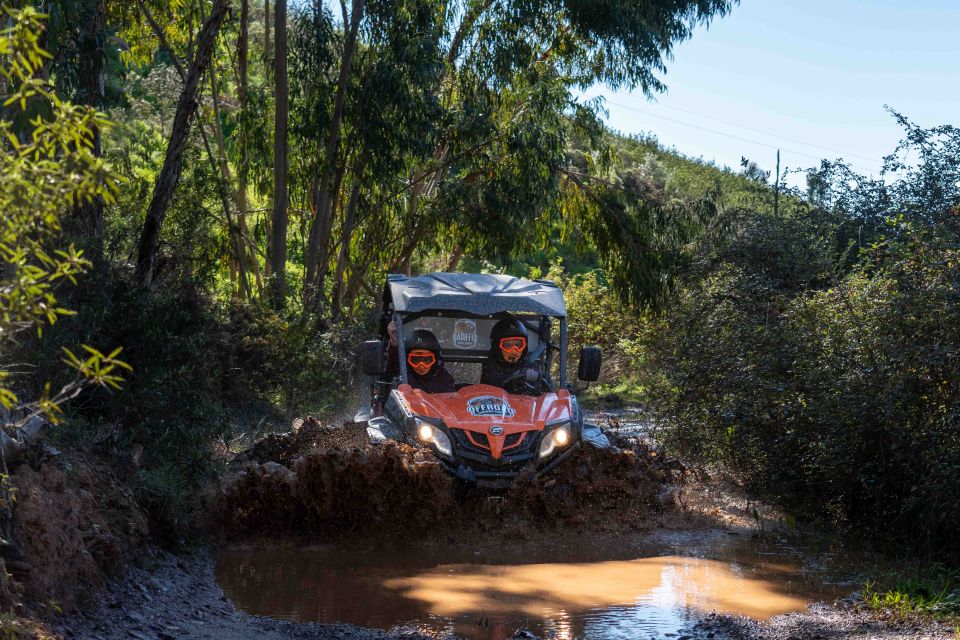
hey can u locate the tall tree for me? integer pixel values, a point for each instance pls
(331, 175)
(278, 242)
(243, 80)
(92, 79)
(170, 172)
(463, 129)
(267, 46)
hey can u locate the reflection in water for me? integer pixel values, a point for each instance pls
(458, 591)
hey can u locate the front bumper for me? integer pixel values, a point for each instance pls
(492, 479)
(473, 463)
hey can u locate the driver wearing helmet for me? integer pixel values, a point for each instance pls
(507, 366)
(425, 368)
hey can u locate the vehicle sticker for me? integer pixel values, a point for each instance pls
(465, 334)
(490, 406)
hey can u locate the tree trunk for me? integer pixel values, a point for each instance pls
(344, 255)
(267, 46)
(243, 53)
(92, 75)
(455, 259)
(278, 252)
(226, 180)
(170, 172)
(323, 219)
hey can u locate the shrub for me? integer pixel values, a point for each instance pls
(597, 316)
(202, 372)
(834, 394)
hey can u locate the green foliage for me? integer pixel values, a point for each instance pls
(825, 368)
(203, 372)
(13, 628)
(457, 127)
(597, 317)
(48, 167)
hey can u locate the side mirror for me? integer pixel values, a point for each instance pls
(372, 360)
(589, 368)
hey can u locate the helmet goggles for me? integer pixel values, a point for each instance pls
(511, 347)
(421, 361)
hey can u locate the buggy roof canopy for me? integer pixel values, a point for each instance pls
(475, 293)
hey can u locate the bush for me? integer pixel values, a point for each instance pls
(597, 316)
(836, 394)
(202, 371)
(818, 353)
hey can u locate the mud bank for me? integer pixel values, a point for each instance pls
(173, 597)
(69, 525)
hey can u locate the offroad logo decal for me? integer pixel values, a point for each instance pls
(496, 430)
(490, 406)
(465, 334)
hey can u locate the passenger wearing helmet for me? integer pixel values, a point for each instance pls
(508, 358)
(425, 368)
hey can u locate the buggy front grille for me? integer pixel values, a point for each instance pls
(477, 442)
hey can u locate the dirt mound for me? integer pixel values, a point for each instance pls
(400, 490)
(73, 525)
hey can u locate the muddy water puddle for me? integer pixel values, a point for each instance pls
(598, 590)
(628, 422)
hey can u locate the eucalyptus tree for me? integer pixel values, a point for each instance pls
(49, 171)
(356, 132)
(170, 172)
(278, 239)
(488, 171)
(520, 63)
(80, 40)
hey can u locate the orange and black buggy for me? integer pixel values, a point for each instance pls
(479, 432)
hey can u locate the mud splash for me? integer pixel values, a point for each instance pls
(325, 491)
(580, 589)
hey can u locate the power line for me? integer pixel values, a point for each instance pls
(764, 133)
(736, 137)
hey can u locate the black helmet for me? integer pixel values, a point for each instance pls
(508, 341)
(414, 346)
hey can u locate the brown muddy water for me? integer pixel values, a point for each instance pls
(610, 589)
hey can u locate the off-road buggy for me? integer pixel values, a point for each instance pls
(479, 433)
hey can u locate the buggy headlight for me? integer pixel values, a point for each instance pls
(432, 435)
(554, 440)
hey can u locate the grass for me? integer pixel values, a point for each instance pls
(625, 393)
(931, 590)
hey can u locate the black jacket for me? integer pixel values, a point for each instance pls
(495, 372)
(439, 382)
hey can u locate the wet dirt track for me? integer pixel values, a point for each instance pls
(178, 597)
(346, 494)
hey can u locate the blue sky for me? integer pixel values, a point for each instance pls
(810, 77)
